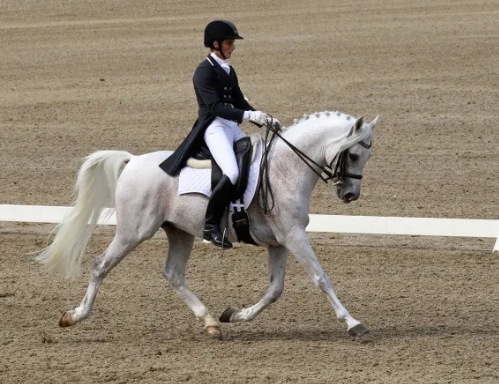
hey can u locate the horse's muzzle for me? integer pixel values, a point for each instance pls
(349, 197)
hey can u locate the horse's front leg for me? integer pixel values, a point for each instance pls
(297, 243)
(277, 260)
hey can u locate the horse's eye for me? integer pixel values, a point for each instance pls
(353, 157)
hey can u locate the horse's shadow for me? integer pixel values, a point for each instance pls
(437, 331)
(376, 334)
(291, 334)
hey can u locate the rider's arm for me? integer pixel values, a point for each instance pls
(205, 83)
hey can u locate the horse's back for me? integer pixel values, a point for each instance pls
(143, 172)
(148, 162)
(156, 157)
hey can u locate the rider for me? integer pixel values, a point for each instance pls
(222, 107)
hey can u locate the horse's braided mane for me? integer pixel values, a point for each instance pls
(319, 115)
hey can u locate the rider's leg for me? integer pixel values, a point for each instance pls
(219, 200)
(219, 138)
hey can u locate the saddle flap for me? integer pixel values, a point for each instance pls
(242, 145)
(242, 149)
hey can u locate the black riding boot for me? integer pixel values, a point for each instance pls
(219, 201)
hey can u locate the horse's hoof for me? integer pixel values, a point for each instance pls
(66, 320)
(359, 331)
(227, 314)
(213, 331)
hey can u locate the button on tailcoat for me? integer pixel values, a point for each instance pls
(218, 94)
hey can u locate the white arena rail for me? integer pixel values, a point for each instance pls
(318, 223)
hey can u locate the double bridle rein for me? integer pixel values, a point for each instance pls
(337, 176)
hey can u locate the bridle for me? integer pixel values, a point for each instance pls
(337, 176)
(340, 172)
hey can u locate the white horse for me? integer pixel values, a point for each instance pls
(146, 199)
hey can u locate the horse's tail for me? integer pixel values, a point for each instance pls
(94, 190)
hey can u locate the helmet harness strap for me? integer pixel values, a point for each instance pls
(219, 49)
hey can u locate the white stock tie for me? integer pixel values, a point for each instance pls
(226, 67)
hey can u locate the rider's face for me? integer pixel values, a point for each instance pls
(227, 48)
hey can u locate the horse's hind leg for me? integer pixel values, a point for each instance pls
(117, 250)
(179, 249)
(277, 259)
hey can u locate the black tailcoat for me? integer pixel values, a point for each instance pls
(218, 94)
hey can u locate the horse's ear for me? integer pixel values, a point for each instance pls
(359, 123)
(373, 123)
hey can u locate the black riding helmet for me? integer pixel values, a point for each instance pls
(219, 30)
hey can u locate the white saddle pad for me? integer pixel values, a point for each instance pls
(198, 180)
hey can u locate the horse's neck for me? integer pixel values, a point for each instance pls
(289, 168)
(312, 140)
(315, 136)
(319, 134)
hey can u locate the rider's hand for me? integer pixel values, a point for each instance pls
(258, 117)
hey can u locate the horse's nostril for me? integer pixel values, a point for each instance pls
(349, 196)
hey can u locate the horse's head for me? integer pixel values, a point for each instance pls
(350, 159)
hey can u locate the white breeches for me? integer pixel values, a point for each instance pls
(220, 137)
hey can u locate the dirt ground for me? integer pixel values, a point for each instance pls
(116, 74)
